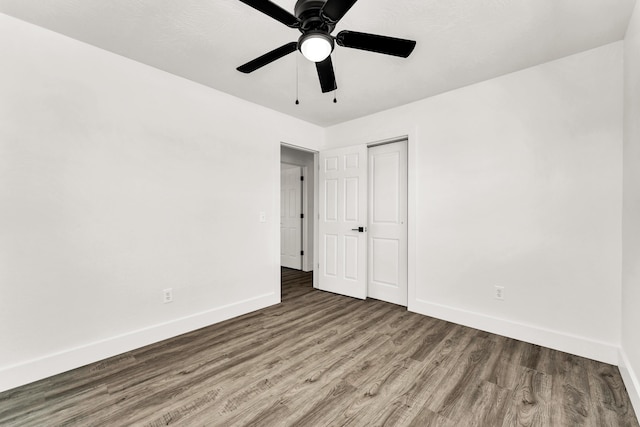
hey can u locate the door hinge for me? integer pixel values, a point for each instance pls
(302, 216)
(301, 252)
(302, 178)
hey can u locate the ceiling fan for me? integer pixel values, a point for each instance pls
(316, 19)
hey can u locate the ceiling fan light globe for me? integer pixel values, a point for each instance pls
(316, 47)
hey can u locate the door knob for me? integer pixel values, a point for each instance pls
(359, 229)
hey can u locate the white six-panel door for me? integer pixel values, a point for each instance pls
(290, 221)
(387, 234)
(342, 211)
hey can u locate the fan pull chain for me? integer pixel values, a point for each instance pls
(297, 101)
(335, 91)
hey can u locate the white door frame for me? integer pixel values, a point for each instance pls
(309, 191)
(395, 133)
(410, 135)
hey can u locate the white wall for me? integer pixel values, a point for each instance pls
(630, 354)
(517, 183)
(116, 181)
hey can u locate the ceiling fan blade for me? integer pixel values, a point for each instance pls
(326, 75)
(268, 58)
(334, 10)
(274, 11)
(376, 43)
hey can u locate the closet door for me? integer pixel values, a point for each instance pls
(387, 235)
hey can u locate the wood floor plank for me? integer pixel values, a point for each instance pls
(461, 376)
(609, 397)
(531, 400)
(571, 388)
(320, 359)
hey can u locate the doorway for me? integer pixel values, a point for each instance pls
(297, 207)
(363, 221)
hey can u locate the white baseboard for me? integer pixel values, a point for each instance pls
(56, 363)
(569, 343)
(631, 381)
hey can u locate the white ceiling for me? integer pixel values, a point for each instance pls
(459, 42)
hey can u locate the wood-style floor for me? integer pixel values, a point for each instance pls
(320, 359)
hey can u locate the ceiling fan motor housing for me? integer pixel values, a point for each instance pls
(308, 12)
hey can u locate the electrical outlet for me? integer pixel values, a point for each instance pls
(262, 217)
(499, 293)
(167, 295)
